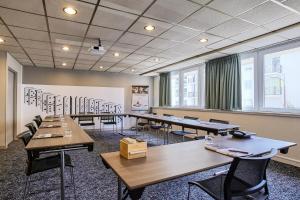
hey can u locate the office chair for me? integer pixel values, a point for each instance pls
(86, 121)
(246, 178)
(39, 117)
(223, 133)
(109, 120)
(183, 132)
(37, 165)
(37, 122)
(31, 127)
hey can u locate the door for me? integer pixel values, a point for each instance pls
(10, 111)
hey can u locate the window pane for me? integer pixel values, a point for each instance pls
(190, 88)
(281, 79)
(175, 89)
(247, 70)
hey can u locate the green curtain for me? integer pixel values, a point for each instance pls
(223, 83)
(164, 89)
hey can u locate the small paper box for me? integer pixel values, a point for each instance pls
(131, 148)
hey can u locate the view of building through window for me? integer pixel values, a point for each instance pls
(247, 72)
(190, 88)
(175, 89)
(281, 79)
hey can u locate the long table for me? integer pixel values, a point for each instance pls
(172, 120)
(168, 162)
(78, 139)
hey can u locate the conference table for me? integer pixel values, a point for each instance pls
(170, 120)
(74, 138)
(167, 162)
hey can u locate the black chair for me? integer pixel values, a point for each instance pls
(36, 165)
(86, 120)
(183, 132)
(223, 133)
(108, 120)
(37, 122)
(31, 127)
(39, 117)
(245, 178)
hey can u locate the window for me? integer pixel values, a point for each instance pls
(175, 89)
(281, 79)
(187, 87)
(247, 73)
(190, 88)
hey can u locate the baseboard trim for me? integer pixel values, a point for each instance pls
(287, 160)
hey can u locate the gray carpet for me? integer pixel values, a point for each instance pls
(94, 181)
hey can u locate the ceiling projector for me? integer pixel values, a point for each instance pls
(98, 49)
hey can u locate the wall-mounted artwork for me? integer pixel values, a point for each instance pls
(140, 98)
(64, 100)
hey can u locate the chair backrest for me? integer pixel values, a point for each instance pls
(167, 115)
(31, 127)
(39, 117)
(250, 171)
(219, 121)
(85, 119)
(38, 122)
(192, 118)
(25, 136)
(108, 118)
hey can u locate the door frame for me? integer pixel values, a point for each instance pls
(15, 75)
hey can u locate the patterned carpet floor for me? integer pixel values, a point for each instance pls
(93, 181)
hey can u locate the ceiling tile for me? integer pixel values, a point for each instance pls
(66, 39)
(96, 32)
(144, 65)
(221, 44)
(41, 57)
(203, 2)
(210, 39)
(124, 48)
(72, 49)
(172, 11)
(161, 44)
(265, 41)
(69, 63)
(170, 53)
(22, 19)
(42, 52)
(29, 34)
(205, 19)
(137, 57)
(26, 62)
(104, 64)
(33, 6)
(79, 66)
(19, 55)
(293, 4)
(4, 31)
(264, 13)
(213, 56)
(133, 6)
(93, 42)
(42, 63)
(68, 66)
(89, 57)
(129, 61)
(10, 49)
(66, 27)
(236, 49)
(9, 41)
(135, 39)
(155, 61)
(249, 34)
(115, 69)
(90, 1)
(186, 49)
(85, 62)
(61, 54)
(35, 44)
(179, 33)
(84, 10)
(139, 26)
(148, 51)
(234, 7)
(231, 27)
(291, 33)
(283, 22)
(113, 19)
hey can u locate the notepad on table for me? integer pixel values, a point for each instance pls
(48, 135)
(51, 120)
(228, 151)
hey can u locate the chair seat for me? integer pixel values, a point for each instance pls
(181, 133)
(47, 163)
(142, 123)
(214, 187)
(156, 127)
(87, 124)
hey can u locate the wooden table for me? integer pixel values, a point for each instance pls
(78, 139)
(168, 162)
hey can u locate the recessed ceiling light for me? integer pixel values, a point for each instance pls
(64, 64)
(116, 54)
(203, 40)
(149, 28)
(156, 59)
(70, 10)
(101, 67)
(132, 70)
(65, 48)
(1, 40)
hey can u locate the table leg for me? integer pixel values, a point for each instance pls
(119, 189)
(62, 172)
(136, 126)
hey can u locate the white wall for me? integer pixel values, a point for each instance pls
(265, 125)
